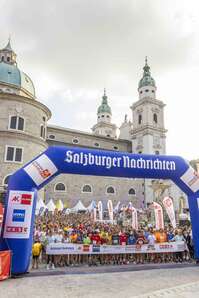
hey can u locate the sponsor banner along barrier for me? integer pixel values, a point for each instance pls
(5, 262)
(71, 249)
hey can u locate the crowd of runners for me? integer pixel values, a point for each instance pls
(79, 228)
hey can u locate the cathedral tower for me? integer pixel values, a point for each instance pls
(148, 134)
(104, 127)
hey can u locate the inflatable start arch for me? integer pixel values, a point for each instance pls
(23, 185)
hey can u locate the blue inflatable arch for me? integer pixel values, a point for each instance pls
(23, 186)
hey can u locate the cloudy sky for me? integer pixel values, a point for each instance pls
(73, 49)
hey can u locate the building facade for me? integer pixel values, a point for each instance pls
(25, 133)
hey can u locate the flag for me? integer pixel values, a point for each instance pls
(168, 205)
(116, 209)
(110, 209)
(159, 221)
(94, 214)
(134, 218)
(100, 210)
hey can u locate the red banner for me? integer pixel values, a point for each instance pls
(5, 262)
(1, 217)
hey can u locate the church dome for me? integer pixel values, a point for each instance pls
(146, 80)
(104, 107)
(10, 74)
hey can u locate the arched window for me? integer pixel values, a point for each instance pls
(155, 118)
(86, 188)
(131, 191)
(5, 181)
(16, 122)
(60, 187)
(140, 119)
(42, 131)
(110, 190)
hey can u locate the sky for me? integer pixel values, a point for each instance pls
(74, 49)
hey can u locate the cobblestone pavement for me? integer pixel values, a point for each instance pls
(168, 283)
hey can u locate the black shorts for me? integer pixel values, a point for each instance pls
(35, 257)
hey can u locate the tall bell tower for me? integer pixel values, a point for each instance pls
(149, 133)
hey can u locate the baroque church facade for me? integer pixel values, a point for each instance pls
(25, 133)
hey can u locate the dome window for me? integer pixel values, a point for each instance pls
(75, 141)
(153, 91)
(115, 147)
(87, 188)
(110, 190)
(96, 144)
(102, 116)
(140, 92)
(16, 122)
(147, 90)
(107, 116)
(60, 187)
(9, 72)
(140, 119)
(52, 137)
(108, 136)
(131, 191)
(42, 131)
(157, 152)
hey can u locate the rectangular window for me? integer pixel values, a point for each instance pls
(16, 122)
(20, 123)
(10, 153)
(13, 154)
(18, 154)
(13, 122)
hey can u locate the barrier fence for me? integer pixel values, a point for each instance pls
(82, 249)
(5, 262)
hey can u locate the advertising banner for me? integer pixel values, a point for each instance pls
(110, 209)
(168, 205)
(191, 179)
(134, 218)
(5, 261)
(41, 169)
(70, 249)
(159, 221)
(19, 212)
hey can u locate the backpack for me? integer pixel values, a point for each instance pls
(36, 249)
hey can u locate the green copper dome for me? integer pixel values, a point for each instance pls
(11, 74)
(146, 80)
(104, 107)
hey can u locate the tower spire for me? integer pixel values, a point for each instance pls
(7, 55)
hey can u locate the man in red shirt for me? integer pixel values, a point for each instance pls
(95, 238)
(123, 238)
